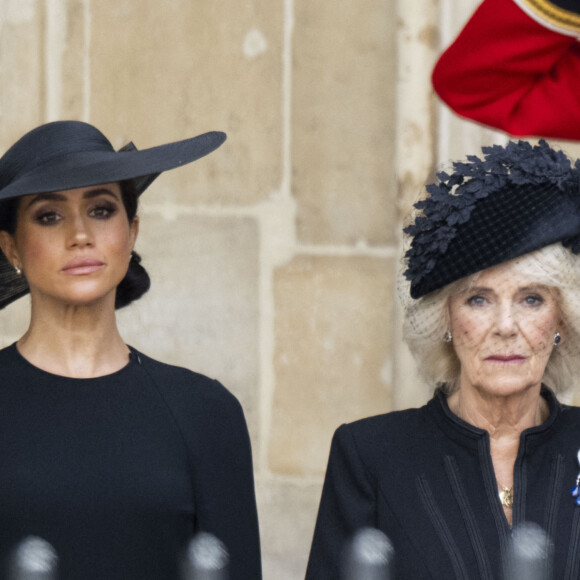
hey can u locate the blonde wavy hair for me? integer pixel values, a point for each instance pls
(427, 320)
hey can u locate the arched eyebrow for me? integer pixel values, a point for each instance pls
(533, 288)
(476, 290)
(523, 289)
(89, 194)
(56, 196)
(52, 196)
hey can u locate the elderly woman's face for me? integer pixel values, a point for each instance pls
(503, 329)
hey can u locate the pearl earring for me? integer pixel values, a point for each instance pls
(447, 337)
(17, 270)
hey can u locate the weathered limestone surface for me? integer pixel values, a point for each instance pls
(343, 121)
(75, 46)
(14, 320)
(22, 82)
(202, 309)
(332, 361)
(164, 71)
(417, 38)
(287, 516)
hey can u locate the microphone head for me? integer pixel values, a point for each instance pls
(206, 558)
(33, 559)
(529, 554)
(368, 556)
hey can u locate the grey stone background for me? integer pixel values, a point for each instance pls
(273, 260)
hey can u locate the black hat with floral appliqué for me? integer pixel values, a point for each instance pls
(514, 200)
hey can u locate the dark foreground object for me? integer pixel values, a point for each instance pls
(368, 556)
(34, 559)
(206, 558)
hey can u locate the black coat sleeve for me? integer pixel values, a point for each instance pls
(224, 488)
(214, 430)
(348, 503)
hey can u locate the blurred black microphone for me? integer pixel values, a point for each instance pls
(206, 558)
(33, 559)
(368, 556)
(529, 554)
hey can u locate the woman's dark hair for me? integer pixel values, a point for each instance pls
(136, 281)
(8, 209)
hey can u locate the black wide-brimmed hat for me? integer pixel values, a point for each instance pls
(71, 154)
(517, 199)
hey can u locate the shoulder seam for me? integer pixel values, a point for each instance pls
(175, 422)
(368, 474)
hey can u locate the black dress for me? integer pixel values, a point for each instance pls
(118, 472)
(425, 478)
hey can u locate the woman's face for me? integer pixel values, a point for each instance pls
(74, 246)
(503, 330)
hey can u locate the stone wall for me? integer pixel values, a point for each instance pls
(273, 260)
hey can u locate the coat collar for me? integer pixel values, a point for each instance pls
(471, 436)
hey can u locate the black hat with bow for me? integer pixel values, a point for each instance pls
(66, 155)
